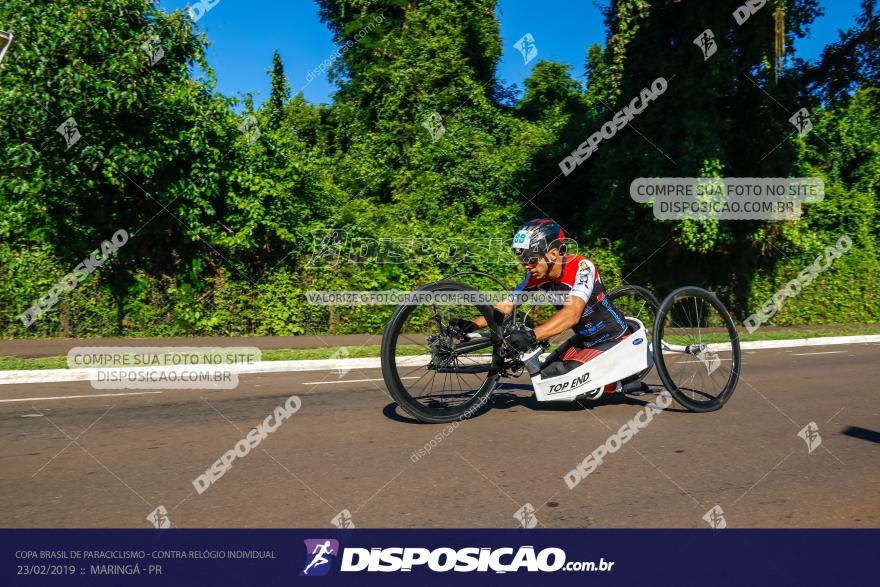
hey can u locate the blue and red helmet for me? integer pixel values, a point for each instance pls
(536, 237)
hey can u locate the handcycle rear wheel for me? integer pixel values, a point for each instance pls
(421, 367)
(696, 349)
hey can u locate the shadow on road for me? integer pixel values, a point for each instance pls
(862, 434)
(505, 398)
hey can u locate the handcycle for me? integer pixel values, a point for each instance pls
(439, 375)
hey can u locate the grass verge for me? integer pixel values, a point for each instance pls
(355, 352)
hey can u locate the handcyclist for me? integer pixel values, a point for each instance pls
(598, 325)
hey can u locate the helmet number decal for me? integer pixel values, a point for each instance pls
(521, 240)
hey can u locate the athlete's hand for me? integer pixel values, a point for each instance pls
(461, 326)
(522, 340)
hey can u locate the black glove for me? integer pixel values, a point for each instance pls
(461, 326)
(522, 340)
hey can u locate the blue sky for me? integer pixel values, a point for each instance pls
(245, 33)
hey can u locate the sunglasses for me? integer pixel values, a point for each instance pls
(527, 257)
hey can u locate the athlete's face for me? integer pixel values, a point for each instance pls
(540, 267)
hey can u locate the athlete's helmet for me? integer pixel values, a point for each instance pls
(536, 237)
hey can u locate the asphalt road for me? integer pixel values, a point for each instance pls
(109, 461)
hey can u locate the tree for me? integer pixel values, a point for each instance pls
(851, 62)
(551, 90)
(421, 141)
(141, 144)
(719, 116)
(280, 89)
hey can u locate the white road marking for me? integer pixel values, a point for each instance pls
(822, 353)
(349, 381)
(759, 345)
(37, 399)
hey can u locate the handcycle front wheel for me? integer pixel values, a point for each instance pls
(696, 349)
(433, 375)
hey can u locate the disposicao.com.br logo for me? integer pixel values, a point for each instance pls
(320, 554)
(442, 560)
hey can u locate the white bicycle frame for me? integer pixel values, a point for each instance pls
(628, 357)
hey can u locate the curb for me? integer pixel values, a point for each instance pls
(63, 375)
(759, 345)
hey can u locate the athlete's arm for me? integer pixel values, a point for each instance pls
(571, 312)
(505, 308)
(562, 320)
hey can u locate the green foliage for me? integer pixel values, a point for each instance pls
(421, 142)
(280, 85)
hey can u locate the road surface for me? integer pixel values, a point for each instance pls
(80, 459)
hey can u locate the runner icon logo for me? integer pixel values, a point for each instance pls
(715, 518)
(343, 520)
(70, 132)
(153, 48)
(159, 518)
(710, 360)
(706, 43)
(526, 516)
(434, 125)
(320, 553)
(250, 129)
(802, 121)
(810, 434)
(526, 46)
